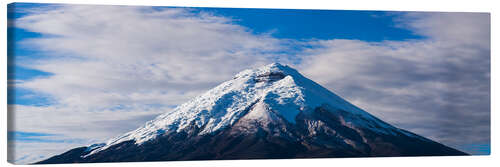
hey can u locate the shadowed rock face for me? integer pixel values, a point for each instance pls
(270, 77)
(333, 138)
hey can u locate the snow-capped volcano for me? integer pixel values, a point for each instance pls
(266, 95)
(269, 112)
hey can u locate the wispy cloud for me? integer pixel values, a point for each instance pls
(133, 54)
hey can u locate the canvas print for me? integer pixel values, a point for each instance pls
(103, 83)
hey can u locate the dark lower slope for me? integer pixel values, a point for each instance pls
(272, 141)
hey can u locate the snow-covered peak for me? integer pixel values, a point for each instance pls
(252, 94)
(274, 68)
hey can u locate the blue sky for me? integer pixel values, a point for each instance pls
(282, 23)
(17, 53)
(115, 67)
(319, 24)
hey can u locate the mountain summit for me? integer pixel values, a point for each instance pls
(269, 112)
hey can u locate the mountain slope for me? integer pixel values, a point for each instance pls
(268, 112)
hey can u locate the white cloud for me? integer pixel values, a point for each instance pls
(464, 28)
(70, 127)
(102, 55)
